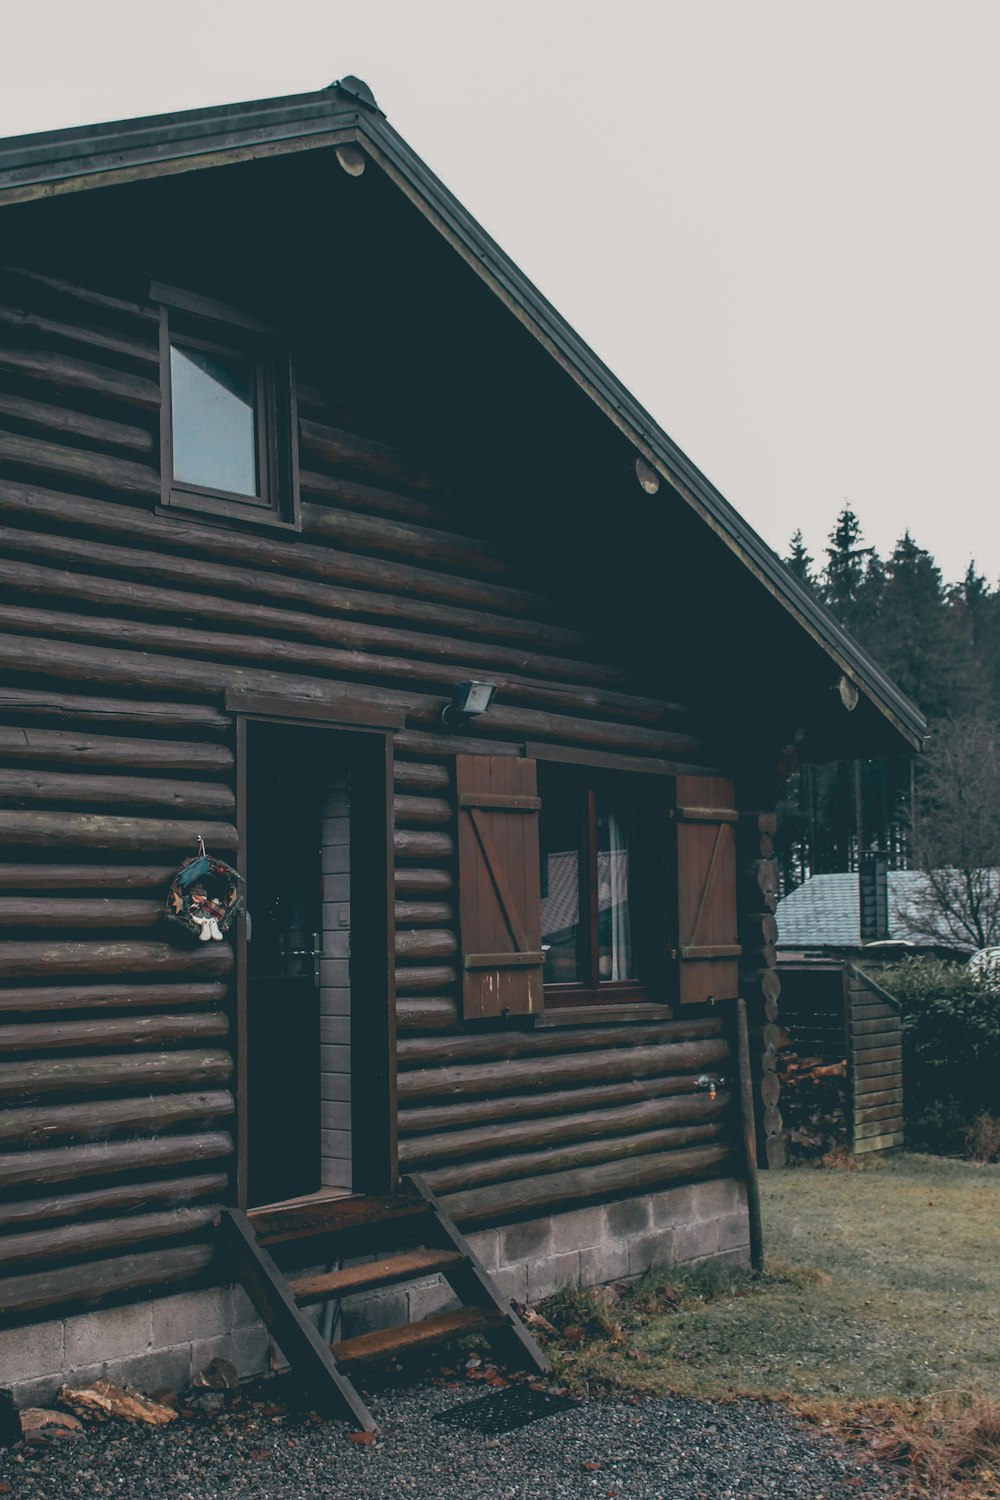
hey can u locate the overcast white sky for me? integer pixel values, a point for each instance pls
(777, 220)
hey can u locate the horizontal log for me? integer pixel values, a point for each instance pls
(75, 292)
(76, 911)
(411, 843)
(72, 1163)
(105, 712)
(190, 1068)
(265, 648)
(550, 1192)
(412, 981)
(885, 1142)
(417, 1152)
(113, 1200)
(23, 785)
(113, 996)
(426, 1013)
(874, 1098)
(500, 1077)
(53, 877)
(425, 943)
(76, 424)
(385, 537)
(22, 960)
(438, 1117)
(372, 500)
(98, 664)
(421, 810)
(23, 746)
(41, 1125)
(215, 610)
(580, 1155)
(410, 881)
(103, 470)
(414, 776)
(219, 576)
(97, 1280)
(424, 914)
(349, 449)
(121, 1031)
(26, 320)
(70, 1241)
(83, 830)
(64, 372)
(510, 1044)
(200, 540)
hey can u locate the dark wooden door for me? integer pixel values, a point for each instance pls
(284, 890)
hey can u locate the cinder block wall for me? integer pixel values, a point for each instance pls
(163, 1343)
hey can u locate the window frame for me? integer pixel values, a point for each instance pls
(191, 321)
(649, 870)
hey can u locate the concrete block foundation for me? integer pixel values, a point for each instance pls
(165, 1341)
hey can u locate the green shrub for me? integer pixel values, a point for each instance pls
(951, 1050)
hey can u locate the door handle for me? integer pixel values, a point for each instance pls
(315, 953)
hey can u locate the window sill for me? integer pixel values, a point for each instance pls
(225, 513)
(588, 1015)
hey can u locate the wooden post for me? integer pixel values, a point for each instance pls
(749, 1137)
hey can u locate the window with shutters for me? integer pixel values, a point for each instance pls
(602, 881)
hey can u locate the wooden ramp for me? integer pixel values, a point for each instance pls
(411, 1236)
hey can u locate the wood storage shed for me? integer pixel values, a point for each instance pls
(298, 471)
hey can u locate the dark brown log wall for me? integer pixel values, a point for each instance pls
(120, 631)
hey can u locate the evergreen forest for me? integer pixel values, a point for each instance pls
(940, 642)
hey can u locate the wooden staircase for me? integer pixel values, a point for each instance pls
(423, 1241)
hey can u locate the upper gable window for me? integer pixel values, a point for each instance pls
(228, 426)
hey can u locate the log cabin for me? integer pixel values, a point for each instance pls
(333, 557)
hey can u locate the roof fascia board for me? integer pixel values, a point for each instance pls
(132, 150)
(538, 315)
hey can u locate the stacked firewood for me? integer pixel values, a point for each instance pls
(813, 1103)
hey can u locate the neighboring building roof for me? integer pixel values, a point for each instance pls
(824, 912)
(66, 161)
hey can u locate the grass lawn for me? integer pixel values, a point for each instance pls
(882, 1288)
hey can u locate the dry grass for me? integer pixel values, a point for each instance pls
(879, 1312)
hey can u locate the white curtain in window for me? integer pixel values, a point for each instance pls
(621, 936)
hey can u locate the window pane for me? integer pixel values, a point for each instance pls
(559, 833)
(614, 928)
(214, 424)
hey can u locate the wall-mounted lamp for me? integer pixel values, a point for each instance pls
(468, 701)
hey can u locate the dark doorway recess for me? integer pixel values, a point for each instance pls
(316, 991)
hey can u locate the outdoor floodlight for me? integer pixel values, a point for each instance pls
(468, 701)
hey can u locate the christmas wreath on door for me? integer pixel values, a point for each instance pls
(205, 897)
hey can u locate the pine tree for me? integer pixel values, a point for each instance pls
(846, 567)
(920, 640)
(800, 563)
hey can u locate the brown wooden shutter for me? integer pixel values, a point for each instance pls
(500, 904)
(708, 949)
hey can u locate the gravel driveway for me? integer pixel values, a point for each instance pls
(453, 1442)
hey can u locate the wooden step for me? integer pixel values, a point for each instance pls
(437, 1330)
(388, 1272)
(311, 1218)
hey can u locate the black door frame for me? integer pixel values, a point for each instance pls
(367, 743)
